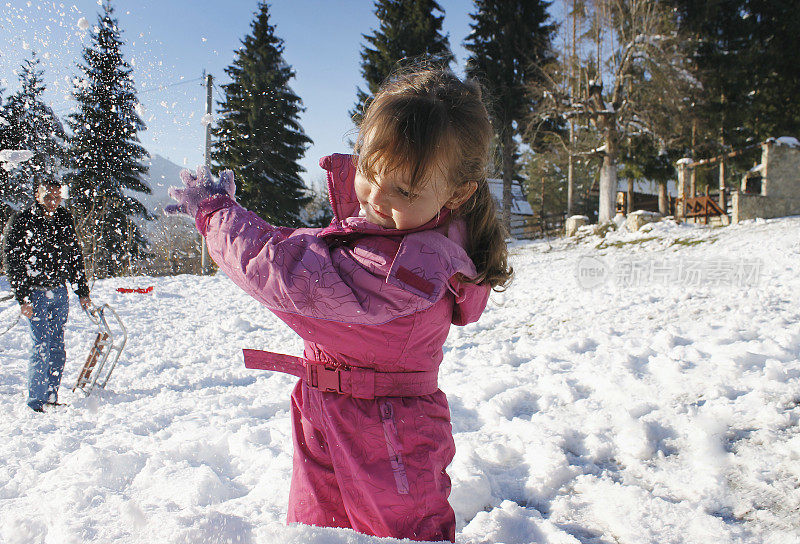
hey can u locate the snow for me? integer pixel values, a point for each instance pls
(599, 150)
(12, 158)
(790, 141)
(83, 23)
(658, 411)
(207, 119)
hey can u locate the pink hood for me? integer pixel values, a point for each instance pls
(398, 288)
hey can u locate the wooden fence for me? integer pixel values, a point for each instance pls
(529, 228)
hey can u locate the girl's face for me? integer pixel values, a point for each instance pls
(387, 202)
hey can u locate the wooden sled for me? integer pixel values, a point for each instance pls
(105, 352)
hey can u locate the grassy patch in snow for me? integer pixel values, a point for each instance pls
(691, 241)
(621, 243)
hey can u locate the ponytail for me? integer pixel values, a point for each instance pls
(486, 239)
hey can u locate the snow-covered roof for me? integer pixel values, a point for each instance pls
(791, 141)
(519, 204)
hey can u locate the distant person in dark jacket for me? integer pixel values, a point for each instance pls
(41, 254)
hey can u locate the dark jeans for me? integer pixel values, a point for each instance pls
(50, 309)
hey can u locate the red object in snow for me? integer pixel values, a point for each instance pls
(141, 290)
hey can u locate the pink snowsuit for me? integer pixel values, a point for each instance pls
(371, 430)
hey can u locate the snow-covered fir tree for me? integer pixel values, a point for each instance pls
(408, 30)
(259, 135)
(31, 125)
(3, 121)
(5, 209)
(105, 153)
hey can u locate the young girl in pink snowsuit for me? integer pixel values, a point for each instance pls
(414, 246)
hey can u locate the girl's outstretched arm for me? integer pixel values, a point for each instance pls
(288, 270)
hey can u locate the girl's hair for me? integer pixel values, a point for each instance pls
(430, 119)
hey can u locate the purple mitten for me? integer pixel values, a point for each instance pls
(199, 187)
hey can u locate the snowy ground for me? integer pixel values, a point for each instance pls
(659, 406)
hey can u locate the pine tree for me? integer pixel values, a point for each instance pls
(750, 83)
(408, 31)
(6, 193)
(777, 87)
(3, 121)
(259, 135)
(723, 66)
(105, 152)
(30, 124)
(510, 41)
(5, 209)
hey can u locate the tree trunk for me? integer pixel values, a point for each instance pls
(663, 198)
(722, 202)
(608, 178)
(570, 169)
(629, 201)
(94, 254)
(508, 174)
(541, 208)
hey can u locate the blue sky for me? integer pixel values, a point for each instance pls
(171, 42)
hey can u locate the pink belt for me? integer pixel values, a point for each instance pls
(360, 383)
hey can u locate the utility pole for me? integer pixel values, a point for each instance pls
(204, 258)
(209, 85)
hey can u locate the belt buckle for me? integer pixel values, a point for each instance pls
(328, 380)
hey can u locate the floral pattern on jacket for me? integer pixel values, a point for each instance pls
(399, 288)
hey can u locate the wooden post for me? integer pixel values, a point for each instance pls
(204, 258)
(683, 189)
